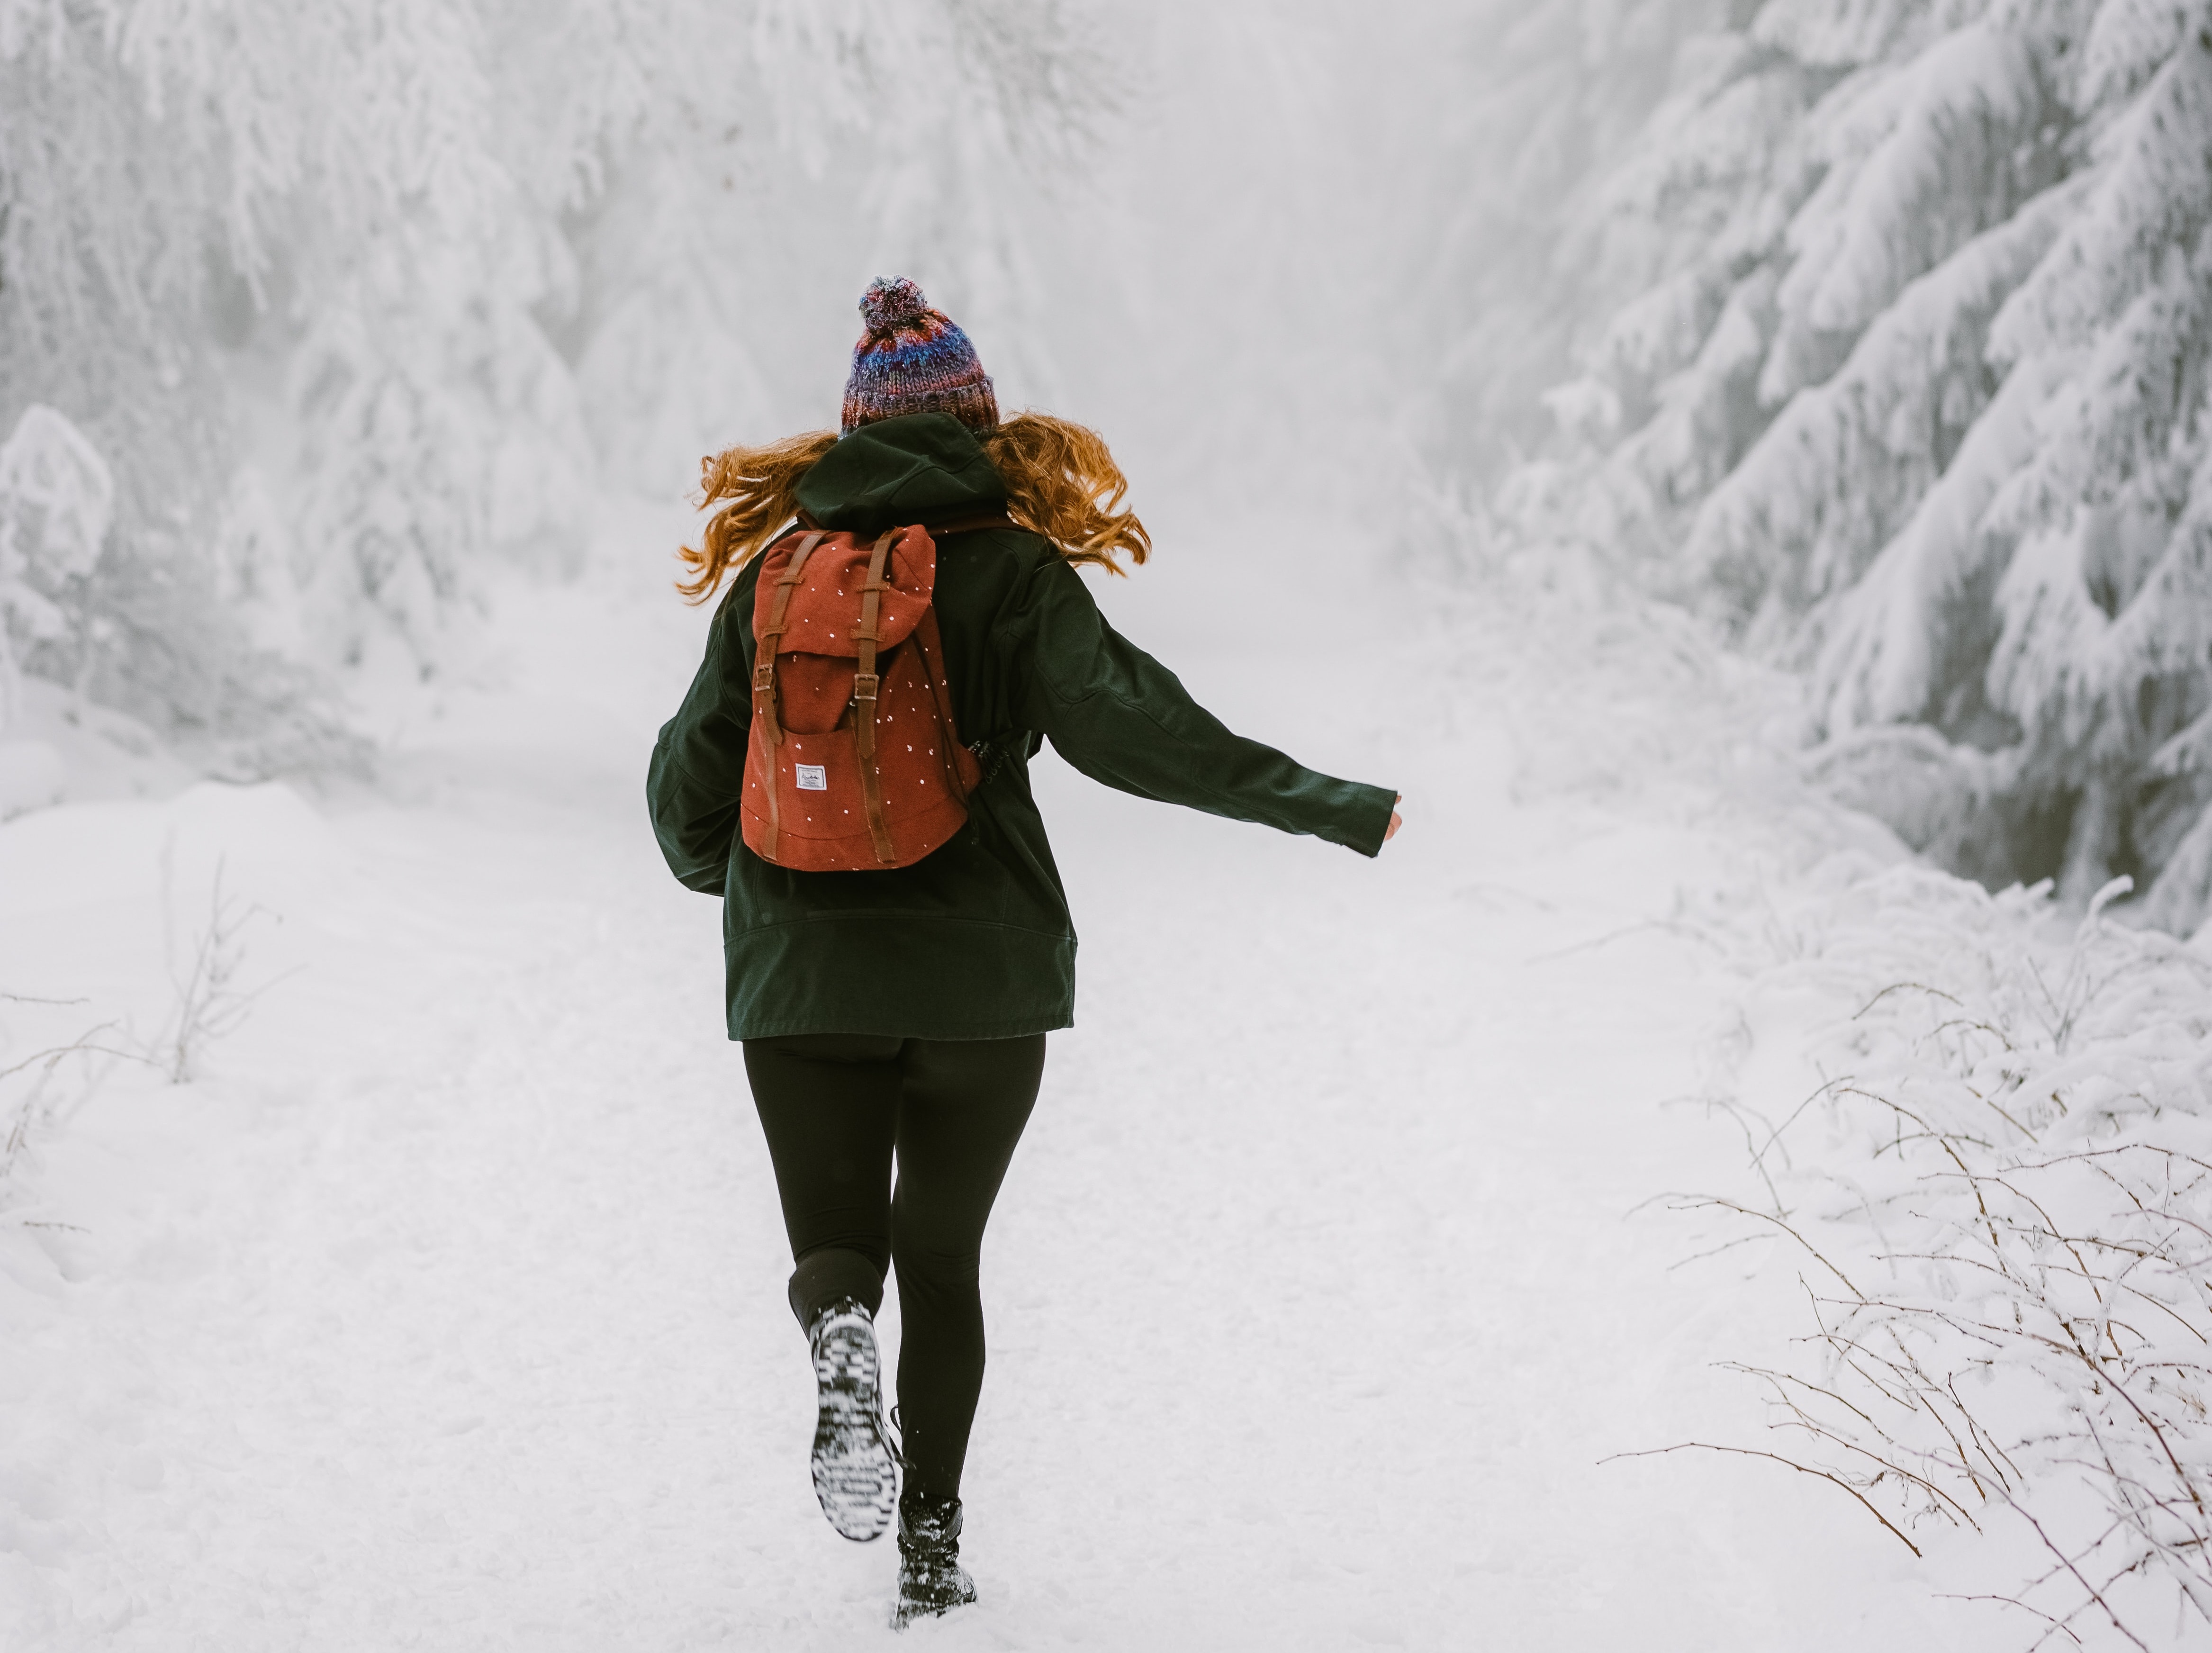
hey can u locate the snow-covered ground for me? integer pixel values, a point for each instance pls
(446, 1310)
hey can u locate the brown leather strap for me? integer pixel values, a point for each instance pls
(940, 690)
(769, 637)
(865, 686)
(765, 645)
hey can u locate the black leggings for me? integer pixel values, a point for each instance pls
(834, 1106)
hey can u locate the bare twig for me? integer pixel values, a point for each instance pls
(1828, 1476)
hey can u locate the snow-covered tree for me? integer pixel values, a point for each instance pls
(347, 295)
(1889, 326)
(56, 499)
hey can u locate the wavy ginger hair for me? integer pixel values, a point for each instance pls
(1061, 481)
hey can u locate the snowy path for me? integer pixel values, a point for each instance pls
(449, 1313)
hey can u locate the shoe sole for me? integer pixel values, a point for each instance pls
(855, 1471)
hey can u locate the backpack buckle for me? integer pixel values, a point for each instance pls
(764, 675)
(865, 685)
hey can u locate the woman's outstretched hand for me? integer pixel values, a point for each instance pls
(1391, 831)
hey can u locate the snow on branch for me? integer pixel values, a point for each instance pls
(1836, 477)
(2001, 1193)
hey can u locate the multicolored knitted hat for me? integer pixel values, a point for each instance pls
(913, 359)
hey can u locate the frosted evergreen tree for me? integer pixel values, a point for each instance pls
(348, 296)
(1895, 362)
(1558, 95)
(56, 499)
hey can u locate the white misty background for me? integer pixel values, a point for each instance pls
(1867, 340)
(1875, 332)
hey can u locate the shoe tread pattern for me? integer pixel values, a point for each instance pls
(855, 1471)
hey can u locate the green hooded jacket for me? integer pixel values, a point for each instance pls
(974, 941)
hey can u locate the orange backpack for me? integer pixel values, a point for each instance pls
(849, 768)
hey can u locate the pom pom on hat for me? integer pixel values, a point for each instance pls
(891, 302)
(913, 359)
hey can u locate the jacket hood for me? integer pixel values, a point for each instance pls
(917, 468)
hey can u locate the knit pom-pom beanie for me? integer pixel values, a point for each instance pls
(911, 359)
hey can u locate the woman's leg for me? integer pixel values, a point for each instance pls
(828, 1105)
(963, 1109)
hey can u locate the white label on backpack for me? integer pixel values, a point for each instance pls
(812, 777)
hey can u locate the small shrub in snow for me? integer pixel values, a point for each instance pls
(2003, 1193)
(41, 1088)
(211, 1002)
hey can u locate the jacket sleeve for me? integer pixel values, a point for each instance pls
(1123, 719)
(698, 771)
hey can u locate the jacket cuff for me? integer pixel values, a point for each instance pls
(1370, 818)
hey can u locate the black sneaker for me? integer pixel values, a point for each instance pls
(931, 1581)
(855, 1471)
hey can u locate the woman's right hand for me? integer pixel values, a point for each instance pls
(1391, 831)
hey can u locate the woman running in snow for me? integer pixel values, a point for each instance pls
(898, 1013)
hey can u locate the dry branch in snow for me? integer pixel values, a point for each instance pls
(2004, 1188)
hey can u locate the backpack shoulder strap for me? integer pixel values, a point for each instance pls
(765, 645)
(866, 685)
